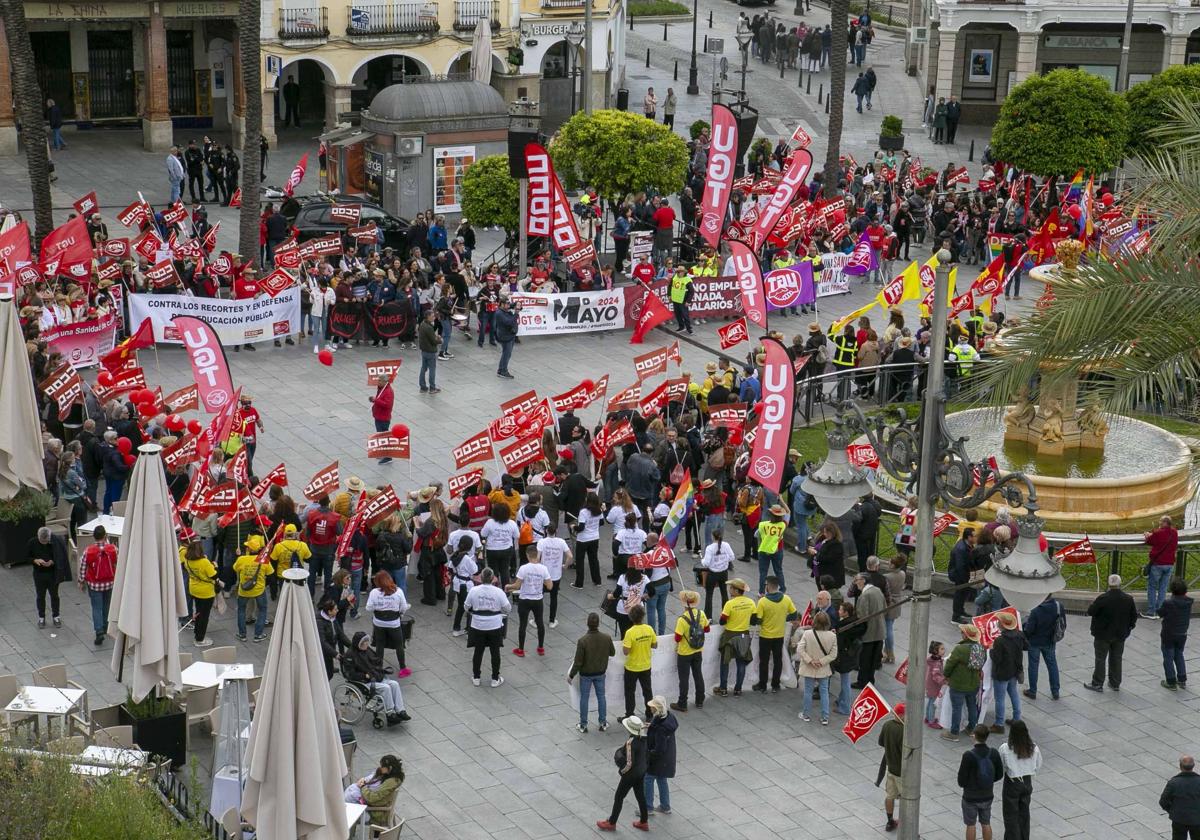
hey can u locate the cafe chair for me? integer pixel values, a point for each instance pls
(120, 737)
(349, 748)
(59, 518)
(54, 676)
(199, 704)
(383, 816)
(118, 508)
(185, 661)
(233, 825)
(378, 832)
(226, 655)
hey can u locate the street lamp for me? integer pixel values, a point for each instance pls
(693, 87)
(744, 36)
(923, 454)
(575, 34)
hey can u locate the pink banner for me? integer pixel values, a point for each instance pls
(750, 281)
(774, 428)
(84, 342)
(722, 157)
(209, 366)
(781, 199)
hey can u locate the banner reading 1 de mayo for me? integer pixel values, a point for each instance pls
(235, 321)
(575, 312)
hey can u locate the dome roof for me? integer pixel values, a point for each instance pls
(437, 100)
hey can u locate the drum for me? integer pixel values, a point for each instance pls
(458, 317)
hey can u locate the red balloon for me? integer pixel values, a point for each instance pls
(147, 409)
(141, 395)
(194, 427)
(175, 423)
(1107, 199)
(104, 378)
(129, 459)
(124, 445)
(325, 357)
(400, 430)
(1075, 211)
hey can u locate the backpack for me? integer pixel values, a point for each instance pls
(1060, 624)
(695, 633)
(985, 774)
(525, 535)
(977, 657)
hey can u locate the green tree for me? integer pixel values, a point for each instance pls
(1148, 103)
(617, 153)
(491, 196)
(1128, 325)
(839, 14)
(249, 21)
(1061, 122)
(29, 102)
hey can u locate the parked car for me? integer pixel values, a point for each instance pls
(310, 217)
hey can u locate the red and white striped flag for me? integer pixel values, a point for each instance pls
(296, 177)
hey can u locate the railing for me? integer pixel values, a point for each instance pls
(562, 4)
(176, 796)
(393, 19)
(468, 12)
(308, 23)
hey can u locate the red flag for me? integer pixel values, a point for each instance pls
(572, 399)
(276, 476)
(651, 364)
(185, 399)
(781, 199)
(654, 312)
(14, 246)
(1078, 552)
(135, 215)
(209, 366)
(239, 467)
(346, 214)
(991, 280)
(385, 371)
(456, 484)
(800, 136)
(182, 451)
(276, 282)
(322, 483)
(120, 355)
(235, 200)
(774, 428)
(862, 455)
(70, 243)
(524, 451)
(626, 398)
(902, 672)
(728, 415)
(380, 507)
(659, 557)
(175, 214)
(549, 212)
(386, 445)
(296, 177)
(958, 176)
(989, 625)
(473, 449)
(65, 387)
(163, 275)
(750, 281)
(867, 710)
(210, 238)
(654, 402)
(806, 620)
(733, 333)
(943, 521)
(718, 182)
(962, 303)
(343, 544)
(218, 429)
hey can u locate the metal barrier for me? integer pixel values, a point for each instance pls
(309, 22)
(176, 795)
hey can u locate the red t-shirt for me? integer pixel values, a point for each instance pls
(877, 236)
(244, 287)
(249, 425)
(644, 273)
(664, 217)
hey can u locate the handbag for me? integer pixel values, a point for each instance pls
(676, 477)
(976, 576)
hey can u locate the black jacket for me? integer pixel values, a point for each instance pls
(849, 641)
(831, 560)
(1007, 655)
(1113, 616)
(968, 773)
(332, 639)
(660, 743)
(1039, 626)
(637, 768)
(1181, 799)
(93, 455)
(504, 323)
(1176, 614)
(193, 160)
(362, 665)
(959, 570)
(866, 530)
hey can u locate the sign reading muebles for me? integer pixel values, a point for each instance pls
(235, 321)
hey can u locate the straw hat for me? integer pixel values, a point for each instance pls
(1008, 621)
(904, 341)
(740, 585)
(794, 453)
(814, 327)
(711, 367)
(355, 484)
(777, 510)
(706, 483)
(969, 631)
(689, 598)
(426, 494)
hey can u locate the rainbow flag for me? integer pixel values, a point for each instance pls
(681, 508)
(1075, 188)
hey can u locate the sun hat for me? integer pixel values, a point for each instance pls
(738, 583)
(633, 725)
(426, 494)
(1008, 621)
(970, 631)
(355, 484)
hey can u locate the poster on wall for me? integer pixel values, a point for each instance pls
(374, 170)
(980, 67)
(449, 164)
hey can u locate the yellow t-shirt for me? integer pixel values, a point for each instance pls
(247, 569)
(769, 535)
(281, 554)
(681, 630)
(737, 612)
(772, 616)
(639, 639)
(201, 575)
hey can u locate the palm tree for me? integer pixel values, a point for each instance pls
(839, 12)
(28, 96)
(249, 12)
(1129, 325)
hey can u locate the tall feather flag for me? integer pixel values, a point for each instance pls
(685, 499)
(297, 176)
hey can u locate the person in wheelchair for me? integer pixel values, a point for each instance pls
(362, 664)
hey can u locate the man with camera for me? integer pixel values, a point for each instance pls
(504, 327)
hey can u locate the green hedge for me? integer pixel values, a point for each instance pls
(654, 8)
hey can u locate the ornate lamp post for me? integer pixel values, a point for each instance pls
(744, 36)
(574, 34)
(922, 453)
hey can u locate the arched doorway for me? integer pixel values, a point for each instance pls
(558, 85)
(380, 72)
(303, 84)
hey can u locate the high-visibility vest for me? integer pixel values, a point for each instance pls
(679, 285)
(845, 352)
(966, 358)
(781, 262)
(977, 322)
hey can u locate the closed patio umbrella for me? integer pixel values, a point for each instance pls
(20, 429)
(481, 51)
(148, 597)
(294, 753)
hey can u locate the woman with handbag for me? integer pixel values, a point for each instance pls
(202, 586)
(828, 556)
(710, 505)
(629, 592)
(815, 652)
(631, 761)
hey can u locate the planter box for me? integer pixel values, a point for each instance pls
(14, 537)
(165, 736)
(891, 144)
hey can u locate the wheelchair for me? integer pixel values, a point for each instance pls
(353, 699)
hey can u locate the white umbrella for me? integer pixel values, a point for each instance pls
(294, 752)
(148, 598)
(20, 429)
(481, 51)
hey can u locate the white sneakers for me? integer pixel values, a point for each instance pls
(204, 643)
(499, 681)
(474, 680)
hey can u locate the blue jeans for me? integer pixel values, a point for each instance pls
(317, 330)
(1156, 586)
(957, 699)
(656, 609)
(176, 190)
(822, 684)
(112, 492)
(447, 328)
(100, 599)
(586, 685)
(401, 578)
(485, 325)
(773, 560)
(844, 692)
(711, 522)
(860, 101)
(1173, 664)
(428, 363)
(1013, 689)
(506, 348)
(1013, 286)
(801, 531)
(664, 792)
(1047, 653)
(740, 667)
(356, 577)
(260, 620)
(889, 638)
(931, 714)
(56, 139)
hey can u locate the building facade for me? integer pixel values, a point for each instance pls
(175, 64)
(980, 51)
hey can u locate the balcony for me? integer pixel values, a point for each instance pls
(562, 4)
(468, 12)
(309, 24)
(393, 19)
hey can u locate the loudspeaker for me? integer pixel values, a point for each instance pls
(747, 120)
(518, 139)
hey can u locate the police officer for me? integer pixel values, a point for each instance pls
(488, 608)
(965, 355)
(681, 295)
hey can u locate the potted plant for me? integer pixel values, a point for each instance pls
(516, 57)
(696, 127)
(159, 726)
(20, 518)
(891, 134)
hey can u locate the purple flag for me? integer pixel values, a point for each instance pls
(862, 259)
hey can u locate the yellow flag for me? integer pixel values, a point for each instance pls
(953, 283)
(985, 304)
(837, 326)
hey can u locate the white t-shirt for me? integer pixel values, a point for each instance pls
(591, 526)
(628, 591)
(461, 576)
(487, 597)
(458, 534)
(533, 577)
(616, 516)
(631, 540)
(717, 556)
(540, 521)
(497, 537)
(551, 551)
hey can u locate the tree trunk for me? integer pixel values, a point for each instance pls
(29, 103)
(249, 20)
(839, 13)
